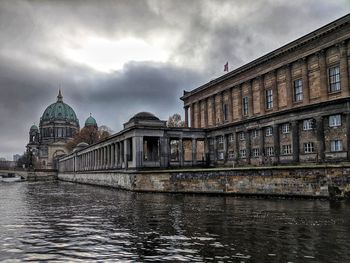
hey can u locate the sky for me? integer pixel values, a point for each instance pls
(116, 58)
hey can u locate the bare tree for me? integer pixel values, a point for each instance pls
(175, 121)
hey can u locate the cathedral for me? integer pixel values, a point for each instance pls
(58, 125)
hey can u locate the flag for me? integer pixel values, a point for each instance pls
(226, 67)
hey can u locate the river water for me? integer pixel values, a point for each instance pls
(58, 221)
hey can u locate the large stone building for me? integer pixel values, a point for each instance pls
(58, 124)
(290, 106)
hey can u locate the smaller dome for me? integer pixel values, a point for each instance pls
(82, 144)
(144, 116)
(34, 128)
(90, 121)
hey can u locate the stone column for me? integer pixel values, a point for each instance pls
(213, 110)
(289, 86)
(192, 116)
(138, 153)
(225, 147)
(239, 104)
(236, 142)
(276, 142)
(323, 75)
(248, 146)
(348, 135)
(164, 151)
(275, 90)
(126, 153)
(186, 116)
(344, 68)
(250, 99)
(230, 107)
(295, 141)
(207, 151)
(320, 138)
(199, 110)
(305, 79)
(205, 102)
(221, 98)
(262, 94)
(194, 151)
(181, 152)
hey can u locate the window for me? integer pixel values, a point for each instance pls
(255, 134)
(268, 131)
(269, 99)
(309, 147)
(256, 152)
(245, 106)
(211, 141)
(242, 136)
(308, 124)
(220, 155)
(225, 112)
(286, 149)
(336, 146)
(298, 90)
(269, 151)
(230, 138)
(334, 120)
(242, 153)
(334, 79)
(220, 141)
(286, 128)
(231, 155)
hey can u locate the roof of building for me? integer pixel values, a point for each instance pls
(90, 121)
(144, 116)
(59, 111)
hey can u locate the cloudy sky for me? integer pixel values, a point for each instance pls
(115, 58)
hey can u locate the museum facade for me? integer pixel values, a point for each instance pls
(290, 106)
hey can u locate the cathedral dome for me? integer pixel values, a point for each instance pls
(90, 121)
(59, 111)
(34, 128)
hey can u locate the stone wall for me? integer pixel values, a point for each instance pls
(318, 181)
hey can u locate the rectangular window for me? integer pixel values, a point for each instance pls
(269, 99)
(286, 128)
(336, 146)
(309, 147)
(268, 131)
(255, 134)
(334, 120)
(286, 149)
(242, 136)
(242, 153)
(220, 155)
(334, 79)
(220, 142)
(230, 138)
(256, 152)
(225, 112)
(298, 90)
(211, 141)
(269, 151)
(231, 155)
(308, 124)
(245, 106)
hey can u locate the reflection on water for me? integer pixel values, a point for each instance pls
(59, 221)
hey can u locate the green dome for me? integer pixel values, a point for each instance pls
(90, 121)
(59, 111)
(34, 127)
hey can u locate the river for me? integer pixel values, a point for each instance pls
(59, 222)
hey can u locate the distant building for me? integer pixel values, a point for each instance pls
(2, 159)
(16, 157)
(58, 124)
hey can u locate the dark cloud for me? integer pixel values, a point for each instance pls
(200, 35)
